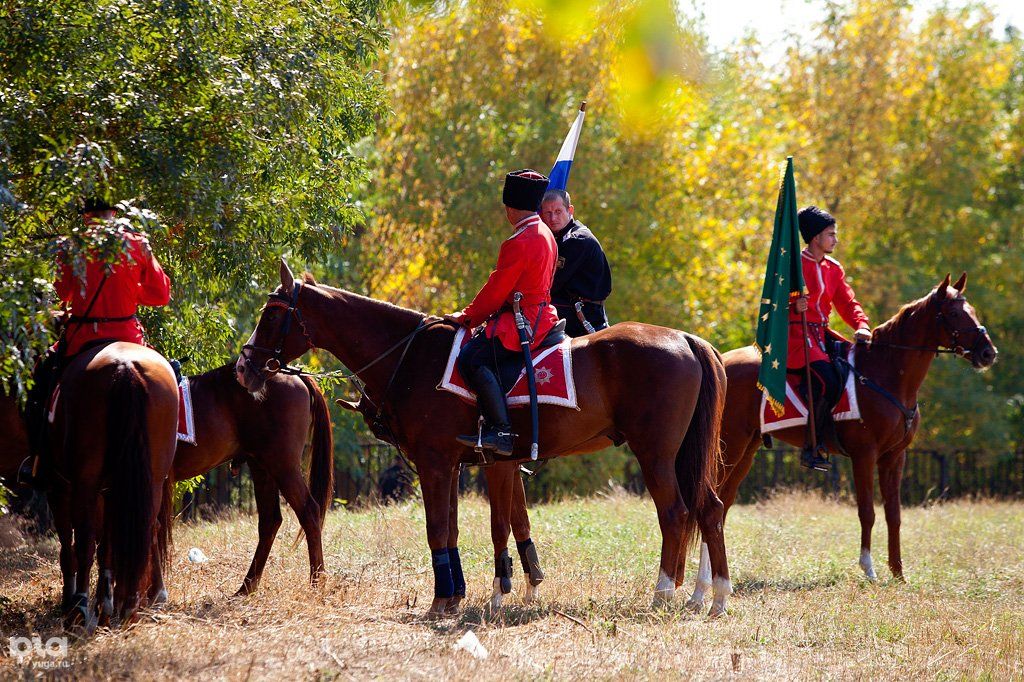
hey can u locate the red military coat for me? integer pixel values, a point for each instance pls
(826, 286)
(137, 280)
(526, 263)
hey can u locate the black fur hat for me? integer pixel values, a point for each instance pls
(524, 189)
(813, 221)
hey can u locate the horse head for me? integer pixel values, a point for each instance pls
(958, 324)
(281, 334)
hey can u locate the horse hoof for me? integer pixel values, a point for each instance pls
(694, 606)
(437, 607)
(716, 612)
(454, 605)
(159, 599)
(244, 591)
(530, 594)
(496, 601)
(79, 620)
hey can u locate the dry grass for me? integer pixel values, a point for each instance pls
(801, 608)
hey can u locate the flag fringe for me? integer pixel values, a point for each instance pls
(778, 408)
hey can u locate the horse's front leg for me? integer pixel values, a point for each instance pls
(454, 560)
(890, 474)
(500, 487)
(863, 481)
(436, 474)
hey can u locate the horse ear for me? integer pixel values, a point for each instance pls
(942, 287)
(288, 279)
(961, 283)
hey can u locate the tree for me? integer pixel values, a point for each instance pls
(227, 126)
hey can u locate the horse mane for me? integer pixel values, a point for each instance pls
(889, 331)
(307, 278)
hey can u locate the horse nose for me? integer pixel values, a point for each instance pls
(988, 355)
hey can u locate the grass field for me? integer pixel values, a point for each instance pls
(801, 606)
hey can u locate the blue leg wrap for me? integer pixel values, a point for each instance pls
(444, 586)
(458, 579)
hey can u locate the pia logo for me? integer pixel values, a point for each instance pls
(51, 654)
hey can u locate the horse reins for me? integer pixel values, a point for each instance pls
(909, 414)
(292, 310)
(956, 349)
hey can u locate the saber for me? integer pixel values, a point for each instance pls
(810, 390)
(589, 328)
(531, 379)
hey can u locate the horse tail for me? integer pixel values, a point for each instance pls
(129, 508)
(164, 538)
(700, 455)
(321, 465)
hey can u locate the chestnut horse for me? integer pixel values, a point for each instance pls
(658, 389)
(270, 431)
(112, 445)
(897, 360)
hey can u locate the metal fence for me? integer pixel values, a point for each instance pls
(928, 475)
(380, 475)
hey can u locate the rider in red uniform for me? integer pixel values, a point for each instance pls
(826, 285)
(103, 308)
(526, 264)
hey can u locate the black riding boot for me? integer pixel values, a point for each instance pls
(824, 399)
(497, 434)
(43, 381)
(809, 457)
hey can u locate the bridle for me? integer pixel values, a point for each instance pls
(274, 363)
(956, 348)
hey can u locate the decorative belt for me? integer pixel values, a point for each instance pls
(100, 320)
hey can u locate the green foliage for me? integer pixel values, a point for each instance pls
(231, 122)
(182, 488)
(911, 133)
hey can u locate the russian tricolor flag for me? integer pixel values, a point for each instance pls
(559, 176)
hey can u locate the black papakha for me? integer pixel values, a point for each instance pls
(524, 190)
(813, 221)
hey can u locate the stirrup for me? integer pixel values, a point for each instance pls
(812, 459)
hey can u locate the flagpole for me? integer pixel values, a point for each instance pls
(810, 386)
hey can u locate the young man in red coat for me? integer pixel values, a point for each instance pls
(526, 264)
(826, 285)
(102, 308)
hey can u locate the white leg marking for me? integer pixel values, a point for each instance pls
(530, 594)
(722, 589)
(496, 595)
(867, 565)
(665, 589)
(703, 584)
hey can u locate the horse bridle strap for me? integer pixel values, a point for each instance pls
(979, 330)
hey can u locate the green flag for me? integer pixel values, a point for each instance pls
(782, 280)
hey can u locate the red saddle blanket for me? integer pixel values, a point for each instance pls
(186, 423)
(552, 369)
(795, 411)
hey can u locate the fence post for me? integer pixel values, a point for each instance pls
(943, 475)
